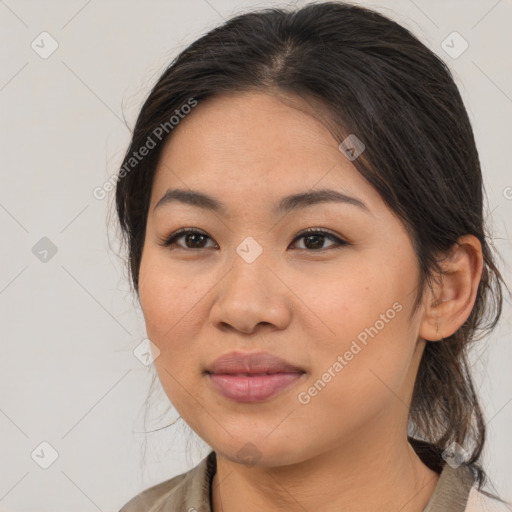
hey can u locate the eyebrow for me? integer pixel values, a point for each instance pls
(287, 204)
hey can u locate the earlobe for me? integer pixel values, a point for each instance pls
(452, 297)
(431, 325)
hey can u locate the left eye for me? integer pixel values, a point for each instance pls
(316, 237)
(194, 239)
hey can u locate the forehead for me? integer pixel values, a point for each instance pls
(255, 144)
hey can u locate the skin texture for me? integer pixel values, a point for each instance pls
(347, 448)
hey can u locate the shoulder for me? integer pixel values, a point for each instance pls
(478, 502)
(456, 491)
(187, 492)
(152, 495)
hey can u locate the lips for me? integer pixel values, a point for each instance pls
(252, 377)
(238, 363)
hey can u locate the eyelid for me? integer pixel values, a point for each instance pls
(340, 241)
(170, 239)
(319, 230)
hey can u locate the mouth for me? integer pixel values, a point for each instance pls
(252, 377)
(252, 387)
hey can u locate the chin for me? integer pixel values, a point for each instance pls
(265, 453)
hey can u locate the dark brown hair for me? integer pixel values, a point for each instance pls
(374, 79)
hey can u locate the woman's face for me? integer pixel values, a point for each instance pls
(337, 309)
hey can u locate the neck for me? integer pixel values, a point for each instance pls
(383, 476)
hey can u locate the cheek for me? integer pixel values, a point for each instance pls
(358, 374)
(364, 310)
(170, 304)
(167, 296)
(349, 298)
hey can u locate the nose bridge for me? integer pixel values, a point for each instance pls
(250, 250)
(249, 268)
(250, 293)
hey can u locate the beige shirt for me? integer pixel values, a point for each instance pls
(190, 492)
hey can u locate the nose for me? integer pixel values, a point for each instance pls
(250, 297)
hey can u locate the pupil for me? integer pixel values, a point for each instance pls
(319, 239)
(189, 236)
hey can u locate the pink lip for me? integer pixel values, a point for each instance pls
(255, 362)
(252, 377)
(252, 388)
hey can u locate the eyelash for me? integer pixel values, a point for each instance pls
(171, 239)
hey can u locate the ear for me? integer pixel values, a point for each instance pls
(448, 305)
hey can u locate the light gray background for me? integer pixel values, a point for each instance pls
(68, 375)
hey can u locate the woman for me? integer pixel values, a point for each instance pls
(302, 204)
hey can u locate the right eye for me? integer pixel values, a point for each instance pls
(193, 237)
